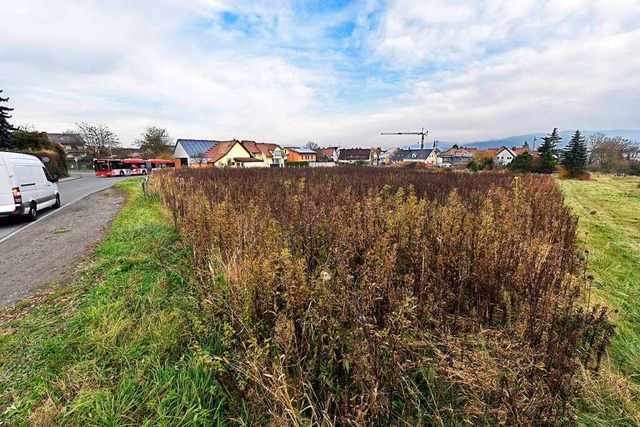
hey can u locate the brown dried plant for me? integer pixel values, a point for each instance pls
(361, 296)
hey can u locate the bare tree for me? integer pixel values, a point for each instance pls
(99, 140)
(312, 146)
(607, 152)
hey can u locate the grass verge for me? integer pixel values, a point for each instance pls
(609, 211)
(117, 347)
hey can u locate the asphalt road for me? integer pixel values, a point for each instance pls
(70, 191)
(48, 252)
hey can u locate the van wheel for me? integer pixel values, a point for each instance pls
(121, 173)
(32, 215)
(144, 171)
(56, 205)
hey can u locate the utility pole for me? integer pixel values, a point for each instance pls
(422, 134)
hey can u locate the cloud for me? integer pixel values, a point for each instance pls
(335, 72)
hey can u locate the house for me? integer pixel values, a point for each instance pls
(191, 152)
(385, 156)
(231, 154)
(353, 155)
(504, 155)
(329, 154)
(72, 143)
(457, 156)
(297, 154)
(428, 156)
(269, 154)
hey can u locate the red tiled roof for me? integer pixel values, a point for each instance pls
(220, 150)
(267, 148)
(491, 151)
(521, 150)
(257, 148)
(251, 146)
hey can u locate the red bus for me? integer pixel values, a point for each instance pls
(142, 166)
(110, 167)
(123, 167)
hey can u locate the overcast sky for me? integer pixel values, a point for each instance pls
(330, 71)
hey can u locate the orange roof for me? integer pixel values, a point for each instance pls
(251, 146)
(491, 151)
(256, 148)
(267, 148)
(521, 150)
(220, 150)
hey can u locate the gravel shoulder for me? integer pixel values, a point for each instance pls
(47, 252)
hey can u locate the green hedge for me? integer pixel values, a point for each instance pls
(296, 164)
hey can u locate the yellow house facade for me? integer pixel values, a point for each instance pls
(231, 154)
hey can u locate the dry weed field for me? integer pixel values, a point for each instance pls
(362, 296)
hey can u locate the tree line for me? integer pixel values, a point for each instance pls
(97, 140)
(600, 153)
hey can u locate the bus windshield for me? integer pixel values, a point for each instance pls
(102, 166)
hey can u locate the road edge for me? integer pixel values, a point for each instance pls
(54, 211)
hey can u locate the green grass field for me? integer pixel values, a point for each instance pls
(609, 212)
(116, 347)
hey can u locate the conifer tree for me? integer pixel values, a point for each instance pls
(5, 127)
(548, 151)
(574, 156)
(550, 143)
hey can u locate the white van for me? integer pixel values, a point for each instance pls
(25, 186)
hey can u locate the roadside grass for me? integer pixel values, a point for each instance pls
(609, 212)
(118, 346)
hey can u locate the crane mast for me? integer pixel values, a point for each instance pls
(422, 134)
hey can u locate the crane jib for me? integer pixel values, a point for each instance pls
(422, 134)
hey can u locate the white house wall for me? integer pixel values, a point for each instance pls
(180, 153)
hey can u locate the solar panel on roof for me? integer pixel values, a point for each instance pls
(195, 147)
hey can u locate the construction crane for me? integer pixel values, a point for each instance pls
(422, 134)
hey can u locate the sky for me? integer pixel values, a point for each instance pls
(336, 72)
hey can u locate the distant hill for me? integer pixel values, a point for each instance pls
(517, 141)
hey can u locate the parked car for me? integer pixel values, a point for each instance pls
(26, 186)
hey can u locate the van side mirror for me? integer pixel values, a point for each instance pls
(54, 178)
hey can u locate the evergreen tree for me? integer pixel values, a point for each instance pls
(5, 127)
(574, 156)
(550, 143)
(548, 151)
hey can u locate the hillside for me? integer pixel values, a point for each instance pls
(518, 140)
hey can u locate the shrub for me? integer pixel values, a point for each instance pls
(522, 163)
(296, 164)
(375, 296)
(55, 164)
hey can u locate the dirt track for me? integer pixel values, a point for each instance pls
(48, 251)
